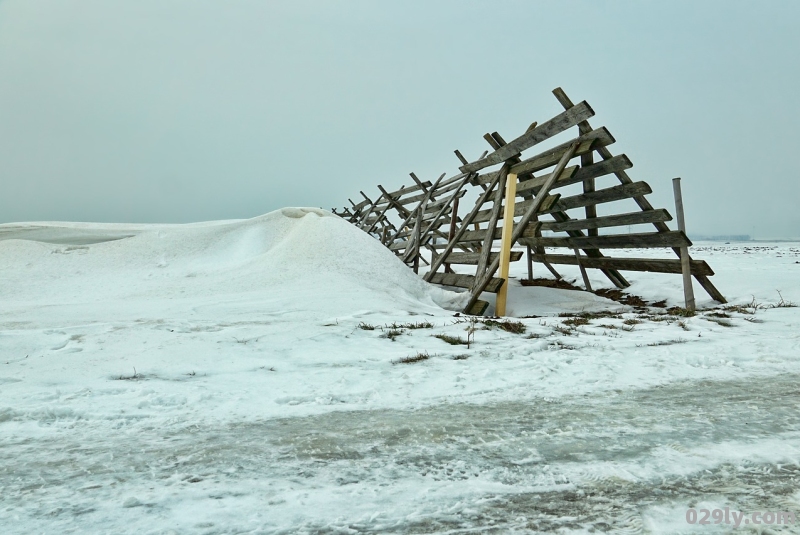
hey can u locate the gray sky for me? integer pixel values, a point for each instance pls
(177, 111)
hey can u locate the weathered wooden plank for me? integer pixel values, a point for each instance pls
(630, 218)
(589, 187)
(442, 189)
(399, 245)
(586, 283)
(642, 201)
(596, 170)
(452, 180)
(588, 143)
(484, 178)
(421, 206)
(556, 125)
(688, 291)
(409, 189)
(465, 281)
(477, 308)
(443, 211)
(480, 235)
(615, 241)
(505, 243)
(699, 267)
(472, 258)
(433, 206)
(520, 207)
(392, 201)
(464, 225)
(615, 193)
(486, 247)
(613, 275)
(430, 216)
(360, 205)
(530, 213)
(452, 230)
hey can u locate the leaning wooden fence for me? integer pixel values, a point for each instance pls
(427, 216)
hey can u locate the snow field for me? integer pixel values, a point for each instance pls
(218, 378)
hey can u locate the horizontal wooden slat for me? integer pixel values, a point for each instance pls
(472, 258)
(699, 267)
(441, 190)
(360, 205)
(589, 142)
(673, 238)
(556, 125)
(605, 167)
(520, 208)
(480, 235)
(412, 199)
(451, 180)
(431, 215)
(464, 281)
(477, 308)
(434, 206)
(616, 193)
(630, 218)
(410, 189)
(535, 182)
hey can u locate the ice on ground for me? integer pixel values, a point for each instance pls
(243, 376)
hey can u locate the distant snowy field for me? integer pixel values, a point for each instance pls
(223, 378)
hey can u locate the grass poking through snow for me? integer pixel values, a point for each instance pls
(515, 327)
(452, 340)
(668, 342)
(419, 357)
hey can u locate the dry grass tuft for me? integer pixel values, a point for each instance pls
(419, 357)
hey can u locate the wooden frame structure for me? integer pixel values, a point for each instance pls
(425, 215)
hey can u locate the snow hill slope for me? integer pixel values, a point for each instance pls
(290, 259)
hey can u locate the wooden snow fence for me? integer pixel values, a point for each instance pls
(427, 216)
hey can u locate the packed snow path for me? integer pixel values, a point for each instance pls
(164, 382)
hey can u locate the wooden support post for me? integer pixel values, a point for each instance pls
(686, 268)
(505, 243)
(452, 233)
(530, 264)
(417, 237)
(588, 187)
(583, 270)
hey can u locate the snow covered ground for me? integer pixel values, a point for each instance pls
(244, 376)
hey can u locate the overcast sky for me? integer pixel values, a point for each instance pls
(178, 111)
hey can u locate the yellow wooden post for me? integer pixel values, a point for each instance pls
(505, 242)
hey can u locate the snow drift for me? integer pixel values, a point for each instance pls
(291, 259)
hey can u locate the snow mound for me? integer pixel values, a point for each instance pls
(293, 260)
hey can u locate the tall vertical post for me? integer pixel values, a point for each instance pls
(530, 263)
(452, 233)
(417, 237)
(686, 268)
(505, 242)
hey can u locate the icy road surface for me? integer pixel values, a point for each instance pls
(626, 462)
